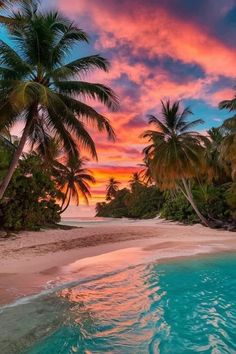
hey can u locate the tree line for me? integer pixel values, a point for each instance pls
(194, 173)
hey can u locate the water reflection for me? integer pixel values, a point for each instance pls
(183, 307)
(116, 313)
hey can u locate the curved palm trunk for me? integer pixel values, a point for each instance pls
(67, 204)
(15, 158)
(65, 196)
(189, 196)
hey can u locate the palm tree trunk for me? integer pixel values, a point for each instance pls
(15, 159)
(65, 196)
(67, 204)
(189, 196)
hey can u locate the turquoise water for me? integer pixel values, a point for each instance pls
(180, 307)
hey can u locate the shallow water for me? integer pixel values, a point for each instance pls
(181, 307)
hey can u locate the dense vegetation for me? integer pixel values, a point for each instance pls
(216, 202)
(31, 199)
(187, 177)
(142, 202)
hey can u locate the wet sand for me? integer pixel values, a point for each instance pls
(34, 260)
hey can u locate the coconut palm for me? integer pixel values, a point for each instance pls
(112, 188)
(176, 152)
(135, 180)
(228, 146)
(145, 173)
(215, 167)
(39, 88)
(7, 4)
(73, 180)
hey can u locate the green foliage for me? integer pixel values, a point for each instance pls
(141, 202)
(216, 202)
(5, 156)
(177, 208)
(211, 200)
(30, 201)
(231, 198)
(144, 202)
(7, 149)
(117, 207)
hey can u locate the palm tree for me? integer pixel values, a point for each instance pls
(135, 180)
(216, 169)
(176, 152)
(112, 188)
(145, 173)
(6, 4)
(228, 146)
(73, 180)
(37, 87)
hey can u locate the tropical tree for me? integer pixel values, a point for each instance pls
(228, 146)
(39, 88)
(176, 153)
(31, 199)
(73, 180)
(145, 173)
(135, 180)
(8, 4)
(215, 168)
(112, 188)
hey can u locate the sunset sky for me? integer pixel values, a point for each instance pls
(158, 49)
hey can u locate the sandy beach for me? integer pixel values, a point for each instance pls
(30, 260)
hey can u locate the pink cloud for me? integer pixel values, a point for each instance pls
(154, 32)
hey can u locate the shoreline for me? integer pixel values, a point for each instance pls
(35, 260)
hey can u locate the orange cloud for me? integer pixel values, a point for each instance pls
(153, 31)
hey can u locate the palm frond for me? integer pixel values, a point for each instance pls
(89, 90)
(88, 114)
(80, 66)
(228, 104)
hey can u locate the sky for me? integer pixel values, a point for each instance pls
(158, 49)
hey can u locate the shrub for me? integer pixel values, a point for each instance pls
(177, 208)
(30, 202)
(145, 202)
